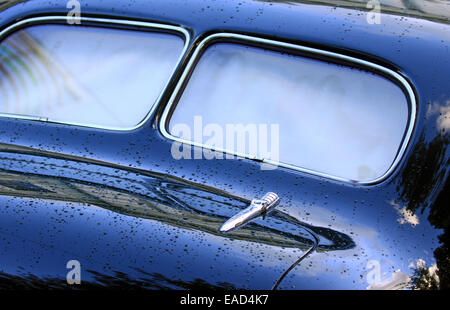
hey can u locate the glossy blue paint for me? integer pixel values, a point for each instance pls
(397, 223)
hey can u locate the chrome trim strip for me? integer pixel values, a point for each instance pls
(102, 21)
(243, 38)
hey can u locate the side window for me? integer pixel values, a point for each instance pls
(92, 76)
(336, 120)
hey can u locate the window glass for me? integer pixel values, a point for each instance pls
(332, 119)
(85, 75)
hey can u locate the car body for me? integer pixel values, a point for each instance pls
(117, 202)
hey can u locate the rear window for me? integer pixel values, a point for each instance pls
(334, 120)
(85, 75)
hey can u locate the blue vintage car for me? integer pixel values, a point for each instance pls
(224, 144)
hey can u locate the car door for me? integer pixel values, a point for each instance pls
(117, 225)
(142, 205)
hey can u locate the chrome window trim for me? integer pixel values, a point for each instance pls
(103, 22)
(251, 39)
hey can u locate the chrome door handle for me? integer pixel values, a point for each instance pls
(257, 207)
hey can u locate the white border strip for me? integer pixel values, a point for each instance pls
(102, 22)
(243, 38)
